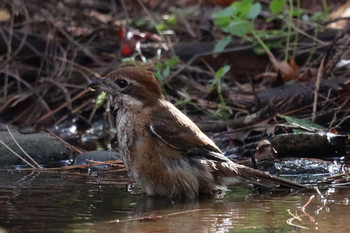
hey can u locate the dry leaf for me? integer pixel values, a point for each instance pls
(289, 71)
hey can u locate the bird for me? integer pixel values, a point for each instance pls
(163, 150)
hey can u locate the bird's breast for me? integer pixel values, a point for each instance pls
(125, 135)
(136, 143)
(157, 167)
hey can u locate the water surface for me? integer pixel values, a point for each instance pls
(59, 202)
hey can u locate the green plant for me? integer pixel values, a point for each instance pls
(276, 6)
(238, 20)
(302, 123)
(167, 22)
(131, 60)
(163, 68)
(101, 98)
(216, 83)
(318, 16)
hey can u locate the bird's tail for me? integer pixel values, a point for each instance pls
(265, 179)
(257, 177)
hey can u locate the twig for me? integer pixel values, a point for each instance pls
(83, 68)
(155, 23)
(73, 111)
(19, 146)
(83, 166)
(250, 119)
(155, 217)
(342, 121)
(311, 218)
(308, 202)
(64, 142)
(108, 162)
(24, 160)
(336, 176)
(290, 220)
(86, 51)
(125, 10)
(92, 114)
(10, 31)
(317, 88)
(207, 53)
(335, 20)
(64, 90)
(319, 192)
(304, 33)
(62, 106)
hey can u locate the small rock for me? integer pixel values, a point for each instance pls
(42, 147)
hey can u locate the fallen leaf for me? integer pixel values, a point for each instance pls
(289, 71)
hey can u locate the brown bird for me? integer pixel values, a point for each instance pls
(163, 150)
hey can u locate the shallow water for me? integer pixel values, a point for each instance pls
(56, 202)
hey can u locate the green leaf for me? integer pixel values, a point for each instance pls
(166, 72)
(141, 22)
(238, 27)
(221, 44)
(159, 65)
(160, 27)
(222, 71)
(173, 61)
(227, 12)
(254, 11)
(320, 16)
(243, 8)
(223, 21)
(101, 98)
(317, 16)
(276, 6)
(301, 122)
(171, 20)
(158, 76)
(295, 12)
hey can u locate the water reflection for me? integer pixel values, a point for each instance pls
(39, 202)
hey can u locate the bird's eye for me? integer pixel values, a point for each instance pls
(122, 83)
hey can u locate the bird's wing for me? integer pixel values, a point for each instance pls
(178, 131)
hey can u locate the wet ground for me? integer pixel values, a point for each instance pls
(57, 202)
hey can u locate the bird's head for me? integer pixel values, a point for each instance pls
(130, 87)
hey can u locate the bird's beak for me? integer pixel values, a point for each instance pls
(96, 84)
(100, 85)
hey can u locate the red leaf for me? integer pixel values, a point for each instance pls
(126, 50)
(121, 33)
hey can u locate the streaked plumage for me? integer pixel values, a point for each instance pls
(163, 150)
